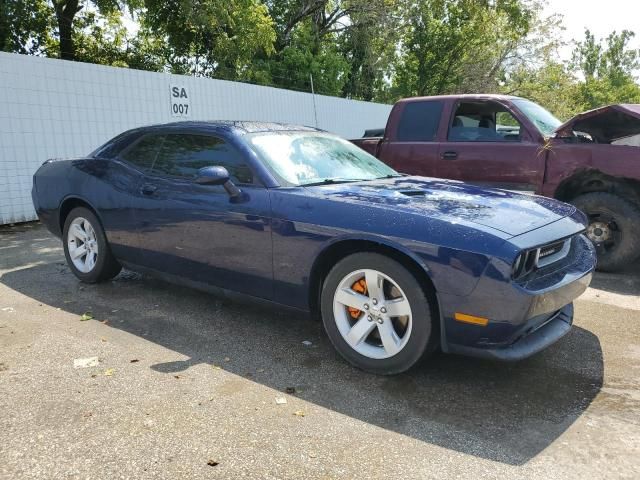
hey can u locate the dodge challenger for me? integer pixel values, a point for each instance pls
(396, 266)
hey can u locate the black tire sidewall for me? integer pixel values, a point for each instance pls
(626, 215)
(421, 330)
(104, 267)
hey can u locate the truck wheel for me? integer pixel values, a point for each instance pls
(614, 228)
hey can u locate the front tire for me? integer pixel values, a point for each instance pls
(86, 249)
(376, 314)
(614, 228)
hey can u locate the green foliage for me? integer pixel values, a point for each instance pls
(366, 49)
(304, 56)
(369, 46)
(552, 85)
(457, 46)
(601, 72)
(211, 37)
(102, 42)
(25, 26)
(608, 68)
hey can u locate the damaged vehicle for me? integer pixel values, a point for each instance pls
(592, 161)
(396, 266)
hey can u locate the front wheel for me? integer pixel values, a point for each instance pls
(614, 228)
(376, 314)
(86, 248)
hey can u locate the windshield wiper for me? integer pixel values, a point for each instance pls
(332, 181)
(392, 175)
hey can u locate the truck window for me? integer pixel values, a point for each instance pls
(483, 122)
(419, 121)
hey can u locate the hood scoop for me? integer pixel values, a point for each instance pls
(413, 193)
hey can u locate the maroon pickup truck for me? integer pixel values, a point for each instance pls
(591, 161)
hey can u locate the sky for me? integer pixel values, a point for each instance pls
(599, 16)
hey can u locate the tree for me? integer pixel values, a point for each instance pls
(369, 46)
(368, 49)
(608, 67)
(25, 26)
(66, 12)
(345, 45)
(535, 72)
(210, 37)
(457, 46)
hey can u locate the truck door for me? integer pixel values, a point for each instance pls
(486, 145)
(412, 147)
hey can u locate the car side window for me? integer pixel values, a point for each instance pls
(182, 155)
(483, 122)
(419, 121)
(143, 153)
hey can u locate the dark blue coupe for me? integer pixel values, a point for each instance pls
(397, 266)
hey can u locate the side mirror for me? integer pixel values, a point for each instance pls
(217, 176)
(212, 176)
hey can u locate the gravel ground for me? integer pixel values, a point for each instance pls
(185, 386)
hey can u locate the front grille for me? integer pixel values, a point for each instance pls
(542, 257)
(549, 254)
(550, 249)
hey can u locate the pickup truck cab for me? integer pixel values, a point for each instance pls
(513, 143)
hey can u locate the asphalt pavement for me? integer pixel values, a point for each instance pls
(137, 378)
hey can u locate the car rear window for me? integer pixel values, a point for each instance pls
(113, 147)
(419, 121)
(143, 153)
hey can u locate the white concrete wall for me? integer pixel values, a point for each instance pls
(53, 108)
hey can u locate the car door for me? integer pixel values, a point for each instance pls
(414, 147)
(486, 145)
(200, 232)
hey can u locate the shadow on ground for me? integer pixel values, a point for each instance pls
(503, 412)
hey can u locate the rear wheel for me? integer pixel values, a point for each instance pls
(376, 313)
(86, 248)
(614, 228)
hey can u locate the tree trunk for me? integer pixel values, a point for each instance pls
(66, 11)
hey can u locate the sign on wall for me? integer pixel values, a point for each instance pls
(180, 105)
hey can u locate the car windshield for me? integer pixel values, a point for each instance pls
(305, 158)
(541, 118)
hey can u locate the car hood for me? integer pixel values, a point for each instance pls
(509, 212)
(604, 124)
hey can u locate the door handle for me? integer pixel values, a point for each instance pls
(148, 189)
(450, 155)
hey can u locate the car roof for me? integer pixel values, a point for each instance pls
(463, 96)
(237, 127)
(221, 127)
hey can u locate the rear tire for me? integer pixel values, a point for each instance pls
(86, 248)
(614, 228)
(371, 337)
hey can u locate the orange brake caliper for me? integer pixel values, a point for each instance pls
(361, 287)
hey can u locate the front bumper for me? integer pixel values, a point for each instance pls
(536, 340)
(523, 318)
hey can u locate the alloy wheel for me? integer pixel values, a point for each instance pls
(372, 313)
(82, 244)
